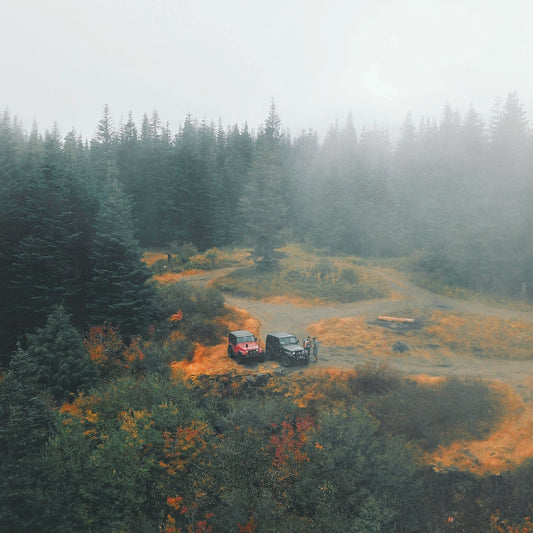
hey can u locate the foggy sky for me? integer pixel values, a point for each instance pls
(63, 60)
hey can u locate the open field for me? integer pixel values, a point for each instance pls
(449, 338)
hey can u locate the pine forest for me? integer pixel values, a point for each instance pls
(126, 258)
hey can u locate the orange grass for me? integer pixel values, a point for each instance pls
(294, 300)
(469, 334)
(209, 360)
(354, 332)
(172, 277)
(482, 335)
(509, 445)
(424, 379)
(153, 257)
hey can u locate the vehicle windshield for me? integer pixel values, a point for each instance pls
(246, 338)
(288, 340)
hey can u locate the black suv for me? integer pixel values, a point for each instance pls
(286, 348)
(243, 346)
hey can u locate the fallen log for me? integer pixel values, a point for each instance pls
(396, 319)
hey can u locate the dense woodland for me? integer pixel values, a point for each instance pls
(95, 435)
(457, 191)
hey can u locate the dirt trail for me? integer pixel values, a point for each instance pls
(406, 298)
(281, 314)
(510, 442)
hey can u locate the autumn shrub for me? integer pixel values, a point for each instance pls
(187, 257)
(513, 496)
(323, 269)
(159, 355)
(209, 303)
(127, 448)
(209, 260)
(154, 453)
(441, 274)
(113, 355)
(355, 479)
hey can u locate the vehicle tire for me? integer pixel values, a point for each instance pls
(285, 360)
(269, 354)
(230, 353)
(240, 358)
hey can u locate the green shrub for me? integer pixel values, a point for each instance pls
(198, 329)
(349, 275)
(209, 303)
(197, 308)
(434, 415)
(324, 269)
(321, 281)
(372, 378)
(183, 252)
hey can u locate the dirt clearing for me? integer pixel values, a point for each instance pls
(448, 338)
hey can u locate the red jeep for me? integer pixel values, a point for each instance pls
(242, 345)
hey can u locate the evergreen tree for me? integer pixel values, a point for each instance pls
(26, 425)
(76, 158)
(239, 154)
(510, 143)
(338, 204)
(305, 150)
(12, 226)
(59, 359)
(49, 262)
(198, 187)
(473, 141)
(118, 290)
(103, 148)
(266, 204)
(211, 194)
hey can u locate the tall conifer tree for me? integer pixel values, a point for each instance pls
(118, 290)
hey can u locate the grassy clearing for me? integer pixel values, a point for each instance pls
(301, 274)
(482, 336)
(468, 334)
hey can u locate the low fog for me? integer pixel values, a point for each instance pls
(226, 61)
(358, 172)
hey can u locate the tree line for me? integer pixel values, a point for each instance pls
(95, 435)
(456, 192)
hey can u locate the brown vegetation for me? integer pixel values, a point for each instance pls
(507, 446)
(440, 333)
(213, 359)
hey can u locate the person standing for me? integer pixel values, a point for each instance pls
(315, 349)
(307, 345)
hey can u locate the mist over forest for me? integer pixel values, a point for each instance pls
(455, 191)
(82, 324)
